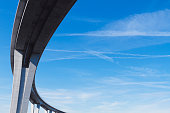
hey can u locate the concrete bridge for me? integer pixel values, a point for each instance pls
(35, 23)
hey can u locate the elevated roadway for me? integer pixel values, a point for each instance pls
(35, 22)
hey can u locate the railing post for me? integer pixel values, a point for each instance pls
(37, 108)
(32, 108)
(46, 111)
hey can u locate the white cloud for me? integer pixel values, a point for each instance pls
(100, 55)
(145, 24)
(82, 55)
(105, 55)
(67, 58)
(85, 101)
(110, 33)
(106, 97)
(108, 107)
(68, 96)
(110, 98)
(98, 52)
(128, 82)
(142, 72)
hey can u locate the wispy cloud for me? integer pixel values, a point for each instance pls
(68, 100)
(125, 82)
(68, 96)
(106, 55)
(112, 94)
(109, 33)
(89, 52)
(100, 55)
(93, 101)
(98, 52)
(78, 57)
(108, 107)
(145, 24)
(142, 72)
(144, 57)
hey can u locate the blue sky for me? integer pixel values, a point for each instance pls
(107, 56)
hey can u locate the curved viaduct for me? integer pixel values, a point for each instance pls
(35, 22)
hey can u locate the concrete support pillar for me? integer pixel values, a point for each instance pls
(22, 82)
(37, 108)
(32, 108)
(46, 111)
(50, 111)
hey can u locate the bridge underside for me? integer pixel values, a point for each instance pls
(35, 23)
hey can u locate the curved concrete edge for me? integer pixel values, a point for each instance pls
(22, 5)
(36, 99)
(17, 22)
(16, 27)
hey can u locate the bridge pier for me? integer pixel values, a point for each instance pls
(22, 82)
